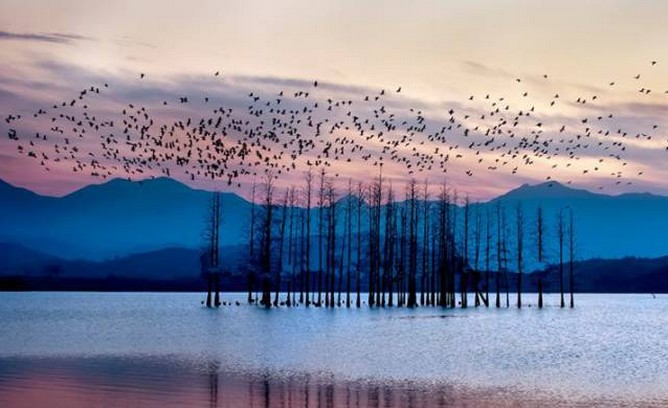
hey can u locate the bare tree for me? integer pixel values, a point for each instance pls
(376, 197)
(308, 193)
(251, 247)
(498, 253)
(412, 242)
(442, 227)
(390, 242)
(265, 253)
(349, 238)
(520, 242)
(211, 260)
(477, 237)
(540, 233)
(291, 249)
(281, 246)
(488, 242)
(331, 243)
(321, 205)
(571, 256)
(454, 262)
(358, 268)
(465, 256)
(425, 245)
(561, 233)
(401, 264)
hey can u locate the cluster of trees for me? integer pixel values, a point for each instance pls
(317, 246)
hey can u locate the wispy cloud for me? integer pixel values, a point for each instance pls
(54, 38)
(484, 70)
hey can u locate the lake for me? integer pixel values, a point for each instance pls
(148, 349)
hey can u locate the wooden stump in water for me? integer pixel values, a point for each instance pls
(540, 293)
(208, 291)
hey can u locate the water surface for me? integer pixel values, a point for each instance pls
(110, 349)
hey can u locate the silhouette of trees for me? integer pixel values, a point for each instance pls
(435, 248)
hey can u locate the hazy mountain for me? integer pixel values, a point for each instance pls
(118, 218)
(162, 264)
(605, 226)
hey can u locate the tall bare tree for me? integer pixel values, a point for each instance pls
(321, 206)
(465, 256)
(477, 238)
(281, 246)
(488, 243)
(571, 256)
(412, 242)
(211, 262)
(267, 238)
(520, 244)
(251, 247)
(540, 233)
(291, 248)
(358, 268)
(376, 197)
(443, 287)
(349, 238)
(561, 234)
(425, 245)
(308, 192)
(390, 242)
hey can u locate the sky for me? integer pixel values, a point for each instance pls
(439, 52)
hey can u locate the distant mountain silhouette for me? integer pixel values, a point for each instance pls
(163, 264)
(544, 191)
(120, 217)
(116, 218)
(606, 226)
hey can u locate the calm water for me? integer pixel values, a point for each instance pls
(104, 349)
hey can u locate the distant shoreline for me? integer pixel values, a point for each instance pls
(121, 284)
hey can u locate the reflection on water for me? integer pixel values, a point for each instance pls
(147, 349)
(117, 382)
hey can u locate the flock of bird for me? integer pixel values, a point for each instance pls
(280, 132)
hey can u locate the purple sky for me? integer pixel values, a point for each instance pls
(440, 54)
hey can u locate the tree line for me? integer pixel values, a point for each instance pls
(319, 245)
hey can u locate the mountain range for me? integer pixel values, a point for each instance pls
(121, 218)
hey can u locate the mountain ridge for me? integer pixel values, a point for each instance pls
(122, 217)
